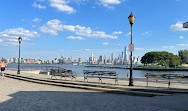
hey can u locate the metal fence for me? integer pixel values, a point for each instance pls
(167, 78)
(31, 68)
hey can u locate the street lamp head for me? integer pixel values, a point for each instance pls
(131, 18)
(19, 39)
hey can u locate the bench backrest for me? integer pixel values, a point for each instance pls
(61, 70)
(100, 73)
(166, 76)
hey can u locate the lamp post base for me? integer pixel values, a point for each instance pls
(131, 84)
(18, 72)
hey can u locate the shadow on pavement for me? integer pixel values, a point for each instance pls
(89, 101)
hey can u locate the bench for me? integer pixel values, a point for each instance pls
(62, 73)
(100, 75)
(169, 78)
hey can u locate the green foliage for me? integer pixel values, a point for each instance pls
(151, 66)
(182, 67)
(161, 58)
(183, 54)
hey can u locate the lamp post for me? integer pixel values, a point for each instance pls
(19, 40)
(131, 21)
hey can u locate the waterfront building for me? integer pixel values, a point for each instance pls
(91, 57)
(105, 59)
(16, 60)
(7, 61)
(80, 60)
(122, 55)
(112, 58)
(67, 61)
(125, 54)
(101, 60)
(12, 60)
(30, 61)
(22, 60)
(38, 61)
(55, 61)
(94, 59)
(50, 61)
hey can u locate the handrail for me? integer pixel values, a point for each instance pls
(167, 76)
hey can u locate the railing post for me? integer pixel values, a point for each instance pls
(147, 79)
(169, 80)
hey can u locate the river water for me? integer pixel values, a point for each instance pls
(79, 69)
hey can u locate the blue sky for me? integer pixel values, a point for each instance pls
(77, 28)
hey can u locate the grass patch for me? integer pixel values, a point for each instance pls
(182, 67)
(151, 66)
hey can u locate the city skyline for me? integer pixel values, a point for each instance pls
(81, 27)
(123, 55)
(123, 59)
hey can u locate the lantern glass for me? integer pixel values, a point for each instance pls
(19, 39)
(131, 18)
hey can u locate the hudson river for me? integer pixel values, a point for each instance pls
(79, 69)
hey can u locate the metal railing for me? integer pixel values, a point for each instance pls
(31, 68)
(167, 77)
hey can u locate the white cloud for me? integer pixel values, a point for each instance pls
(117, 32)
(87, 49)
(1, 40)
(109, 3)
(8, 43)
(69, 28)
(62, 5)
(14, 33)
(35, 5)
(145, 33)
(77, 37)
(168, 47)
(10, 36)
(129, 33)
(105, 43)
(139, 49)
(181, 37)
(36, 20)
(12, 40)
(178, 27)
(53, 26)
(106, 3)
(182, 45)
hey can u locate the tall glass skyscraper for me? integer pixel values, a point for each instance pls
(125, 54)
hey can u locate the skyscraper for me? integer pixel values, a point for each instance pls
(122, 55)
(125, 54)
(112, 57)
(105, 59)
(92, 57)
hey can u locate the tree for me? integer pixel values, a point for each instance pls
(183, 54)
(161, 58)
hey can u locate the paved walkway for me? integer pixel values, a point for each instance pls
(123, 82)
(16, 95)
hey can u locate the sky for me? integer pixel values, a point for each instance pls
(77, 28)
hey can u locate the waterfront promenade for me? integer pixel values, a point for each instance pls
(19, 95)
(18, 92)
(122, 81)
